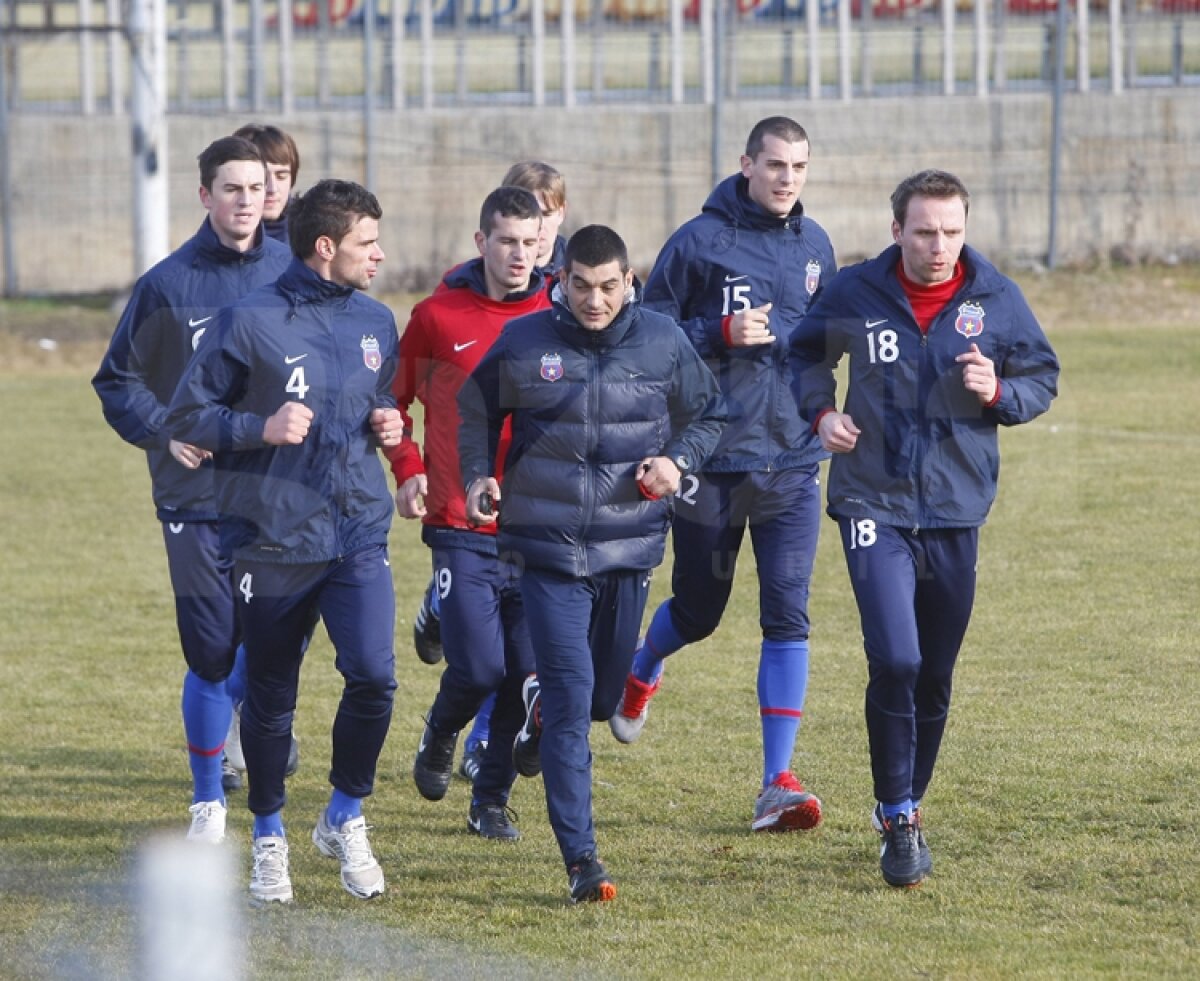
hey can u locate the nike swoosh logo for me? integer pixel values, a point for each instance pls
(474, 823)
(463, 347)
(734, 279)
(202, 320)
(287, 360)
(875, 323)
(636, 374)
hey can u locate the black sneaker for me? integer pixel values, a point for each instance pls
(472, 757)
(231, 778)
(527, 757)
(427, 630)
(924, 855)
(900, 851)
(589, 882)
(434, 763)
(494, 821)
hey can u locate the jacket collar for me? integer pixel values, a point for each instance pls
(470, 275)
(612, 335)
(730, 200)
(301, 284)
(212, 249)
(982, 277)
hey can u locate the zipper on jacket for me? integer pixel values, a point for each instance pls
(593, 439)
(339, 475)
(922, 397)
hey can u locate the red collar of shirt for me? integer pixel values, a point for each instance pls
(928, 301)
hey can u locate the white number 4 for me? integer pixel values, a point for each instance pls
(244, 587)
(296, 383)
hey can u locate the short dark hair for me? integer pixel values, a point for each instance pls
(220, 152)
(508, 202)
(782, 127)
(927, 184)
(596, 245)
(541, 178)
(276, 146)
(331, 208)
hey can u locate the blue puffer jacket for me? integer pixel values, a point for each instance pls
(587, 406)
(927, 456)
(304, 339)
(172, 307)
(732, 257)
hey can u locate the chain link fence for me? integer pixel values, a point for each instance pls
(642, 103)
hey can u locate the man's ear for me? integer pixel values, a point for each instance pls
(325, 248)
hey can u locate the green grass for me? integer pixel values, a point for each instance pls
(1061, 815)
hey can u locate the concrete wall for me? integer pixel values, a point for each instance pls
(1129, 184)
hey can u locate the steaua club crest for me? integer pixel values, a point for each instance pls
(372, 357)
(552, 369)
(970, 320)
(812, 276)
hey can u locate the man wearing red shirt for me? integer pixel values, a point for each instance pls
(484, 636)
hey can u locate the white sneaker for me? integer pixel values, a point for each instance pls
(270, 882)
(233, 740)
(361, 874)
(208, 822)
(630, 717)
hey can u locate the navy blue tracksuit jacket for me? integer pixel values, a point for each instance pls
(928, 455)
(171, 309)
(731, 257)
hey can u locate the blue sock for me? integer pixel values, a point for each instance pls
(662, 640)
(342, 808)
(269, 825)
(782, 683)
(891, 810)
(481, 731)
(235, 684)
(206, 715)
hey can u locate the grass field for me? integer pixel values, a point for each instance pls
(1060, 817)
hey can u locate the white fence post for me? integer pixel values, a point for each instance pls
(426, 54)
(1114, 47)
(228, 81)
(845, 81)
(676, 26)
(148, 41)
(87, 77)
(287, 54)
(537, 19)
(812, 30)
(981, 48)
(568, 53)
(947, 47)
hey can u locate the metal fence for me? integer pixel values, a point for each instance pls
(284, 56)
(384, 91)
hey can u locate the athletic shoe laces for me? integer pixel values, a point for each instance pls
(270, 865)
(356, 849)
(637, 696)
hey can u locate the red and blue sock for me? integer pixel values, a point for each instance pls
(782, 684)
(206, 714)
